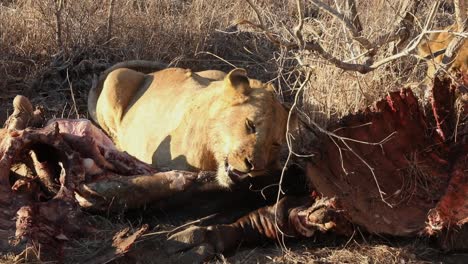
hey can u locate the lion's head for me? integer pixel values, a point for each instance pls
(247, 127)
(182, 120)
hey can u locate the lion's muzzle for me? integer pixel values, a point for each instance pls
(241, 173)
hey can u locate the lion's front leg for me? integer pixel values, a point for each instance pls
(290, 217)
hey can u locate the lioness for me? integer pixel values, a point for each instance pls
(178, 119)
(433, 49)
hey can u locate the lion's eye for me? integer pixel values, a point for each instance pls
(250, 126)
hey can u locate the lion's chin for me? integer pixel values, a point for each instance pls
(229, 176)
(223, 179)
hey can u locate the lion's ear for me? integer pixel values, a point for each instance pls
(237, 82)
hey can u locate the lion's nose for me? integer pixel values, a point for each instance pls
(249, 164)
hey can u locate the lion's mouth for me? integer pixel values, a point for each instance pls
(234, 175)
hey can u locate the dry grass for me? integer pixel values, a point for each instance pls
(32, 62)
(355, 251)
(184, 33)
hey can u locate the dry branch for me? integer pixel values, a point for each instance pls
(399, 33)
(460, 13)
(350, 24)
(353, 14)
(110, 12)
(58, 22)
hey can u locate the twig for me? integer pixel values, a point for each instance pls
(344, 141)
(181, 226)
(372, 170)
(58, 22)
(350, 25)
(72, 96)
(262, 26)
(216, 56)
(404, 21)
(288, 141)
(460, 13)
(257, 13)
(300, 24)
(351, 5)
(109, 20)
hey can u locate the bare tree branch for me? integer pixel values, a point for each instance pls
(314, 46)
(460, 12)
(300, 24)
(261, 25)
(401, 31)
(257, 12)
(109, 20)
(355, 33)
(366, 67)
(351, 6)
(58, 22)
(405, 22)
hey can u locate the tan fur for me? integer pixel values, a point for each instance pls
(438, 42)
(178, 119)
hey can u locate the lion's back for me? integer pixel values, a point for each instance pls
(154, 112)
